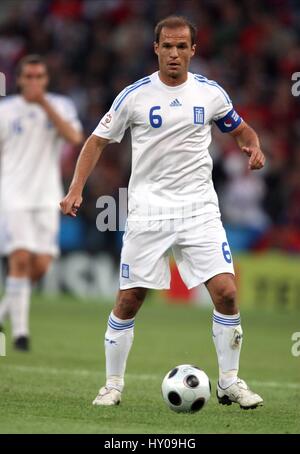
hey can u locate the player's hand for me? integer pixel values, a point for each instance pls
(71, 204)
(257, 158)
(35, 94)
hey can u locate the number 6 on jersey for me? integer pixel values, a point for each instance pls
(155, 120)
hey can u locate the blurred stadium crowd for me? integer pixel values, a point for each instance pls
(94, 48)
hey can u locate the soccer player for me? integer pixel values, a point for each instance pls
(33, 126)
(172, 202)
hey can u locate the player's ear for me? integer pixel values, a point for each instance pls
(19, 82)
(155, 47)
(193, 49)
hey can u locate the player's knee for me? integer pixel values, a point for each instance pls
(19, 264)
(227, 296)
(128, 302)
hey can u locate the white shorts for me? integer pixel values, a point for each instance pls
(199, 247)
(33, 230)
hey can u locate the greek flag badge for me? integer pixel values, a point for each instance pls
(125, 270)
(198, 115)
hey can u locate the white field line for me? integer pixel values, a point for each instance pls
(143, 377)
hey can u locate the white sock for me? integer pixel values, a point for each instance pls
(118, 342)
(227, 337)
(19, 295)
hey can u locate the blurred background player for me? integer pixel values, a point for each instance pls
(33, 127)
(170, 114)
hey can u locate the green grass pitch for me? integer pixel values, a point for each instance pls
(50, 389)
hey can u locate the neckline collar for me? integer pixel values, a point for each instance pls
(170, 87)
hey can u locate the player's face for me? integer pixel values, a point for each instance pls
(33, 79)
(174, 52)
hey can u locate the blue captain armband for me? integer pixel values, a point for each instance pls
(228, 123)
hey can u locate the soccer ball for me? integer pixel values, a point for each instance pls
(186, 389)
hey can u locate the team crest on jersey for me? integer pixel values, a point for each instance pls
(17, 126)
(125, 270)
(198, 115)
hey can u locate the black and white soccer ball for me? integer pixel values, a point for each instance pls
(186, 389)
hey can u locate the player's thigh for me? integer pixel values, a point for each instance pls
(46, 226)
(202, 251)
(144, 256)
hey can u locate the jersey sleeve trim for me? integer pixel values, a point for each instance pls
(128, 90)
(212, 83)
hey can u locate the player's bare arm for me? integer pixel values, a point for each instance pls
(87, 160)
(248, 142)
(64, 128)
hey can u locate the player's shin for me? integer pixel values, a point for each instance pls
(118, 342)
(227, 337)
(20, 293)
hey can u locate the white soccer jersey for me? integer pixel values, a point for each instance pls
(171, 131)
(30, 149)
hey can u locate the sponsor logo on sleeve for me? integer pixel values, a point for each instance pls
(106, 120)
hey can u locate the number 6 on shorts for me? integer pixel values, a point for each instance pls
(226, 252)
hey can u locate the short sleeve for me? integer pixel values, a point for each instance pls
(115, 122)
(225, 116)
